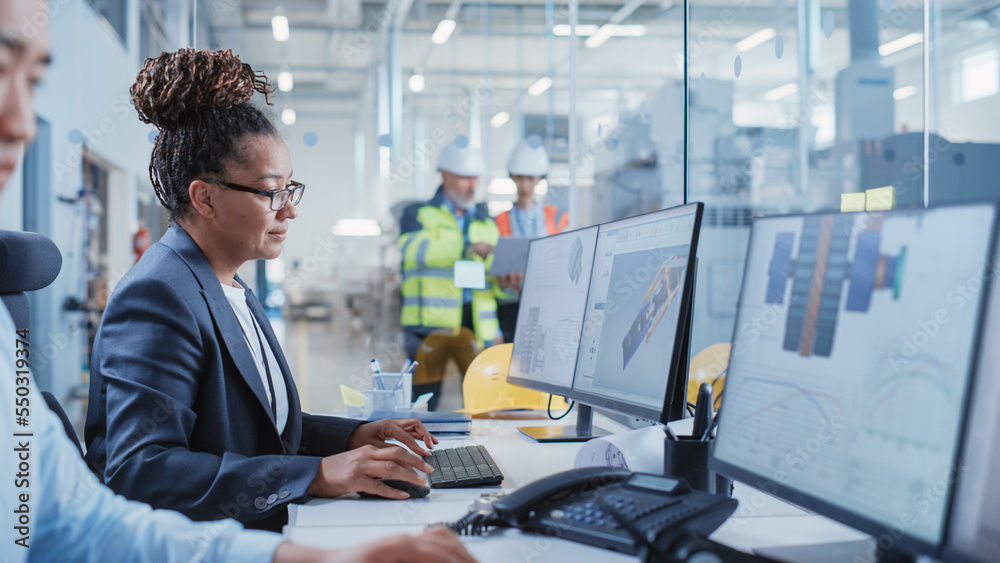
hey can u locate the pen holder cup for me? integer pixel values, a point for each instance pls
(380, 400)
(687, 458)
(399, 384)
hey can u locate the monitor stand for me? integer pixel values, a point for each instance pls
(583, 431)
(861, 550)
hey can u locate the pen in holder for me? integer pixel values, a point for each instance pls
(687, 456)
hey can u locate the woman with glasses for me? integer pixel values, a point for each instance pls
(192, 406)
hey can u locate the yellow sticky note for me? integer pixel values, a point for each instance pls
(852, 202)
(880, 199)
(351, 396)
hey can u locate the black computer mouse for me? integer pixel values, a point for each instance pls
(415, 491)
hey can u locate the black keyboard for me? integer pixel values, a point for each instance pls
(463, 467)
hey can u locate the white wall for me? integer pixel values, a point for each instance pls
(86, 89)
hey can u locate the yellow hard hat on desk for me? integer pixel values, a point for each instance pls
(709, 366)
(485, 388)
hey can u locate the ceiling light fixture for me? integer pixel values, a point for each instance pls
(608, 29)
(417, 82)
(279, 27)
(443, 32)
(756, 39)
(898, 45)
(628, 30)
(904, 92)
(587, 30)
(499, 119)
(781, 92)
(540, 86)
(285, 81)
(602, 35)
(288, 116)
(502, 186)
(357, 228)
(582, 30)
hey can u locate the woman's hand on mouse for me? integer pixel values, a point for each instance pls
(358, 470)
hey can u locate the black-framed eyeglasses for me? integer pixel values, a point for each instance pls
(279, 198)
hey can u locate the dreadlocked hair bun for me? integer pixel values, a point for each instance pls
(173, 85)
(200, 102)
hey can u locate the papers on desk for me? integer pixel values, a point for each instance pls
(639, 450)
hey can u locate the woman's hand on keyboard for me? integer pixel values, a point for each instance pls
(406, 431)
(358, 470)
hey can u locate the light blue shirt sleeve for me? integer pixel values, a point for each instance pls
(70, 516)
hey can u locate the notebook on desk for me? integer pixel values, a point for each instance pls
(434, 421)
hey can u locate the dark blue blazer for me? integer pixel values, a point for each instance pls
(178, 417)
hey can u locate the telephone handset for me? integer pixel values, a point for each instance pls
(610, 508)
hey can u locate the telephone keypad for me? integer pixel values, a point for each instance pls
(582, 518)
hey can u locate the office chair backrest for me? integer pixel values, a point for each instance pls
(55, 407)
(28, 262)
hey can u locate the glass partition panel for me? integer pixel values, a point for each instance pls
(964, 123)
(630, 109)
(792, 104)
(498, 76)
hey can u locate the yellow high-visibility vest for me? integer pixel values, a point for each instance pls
(431, 242)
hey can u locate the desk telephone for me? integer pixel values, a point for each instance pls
(657, 517)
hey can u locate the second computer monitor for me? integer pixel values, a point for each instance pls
(633, 341)
(551, 311)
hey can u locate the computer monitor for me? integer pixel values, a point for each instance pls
(634, 344)
(549, 321)
(550, 315)
(852, 349)
(973, 531)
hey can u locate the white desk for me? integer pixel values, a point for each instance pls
(760, 520)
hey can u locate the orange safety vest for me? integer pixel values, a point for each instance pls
(553, 228)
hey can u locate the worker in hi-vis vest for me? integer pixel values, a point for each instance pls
(440, 321)
(527, 166)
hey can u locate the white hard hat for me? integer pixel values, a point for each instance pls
(461, 158)
(529, 158)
